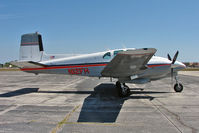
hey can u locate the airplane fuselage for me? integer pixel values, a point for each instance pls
(93, 64)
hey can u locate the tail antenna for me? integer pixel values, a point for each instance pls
(123, 46)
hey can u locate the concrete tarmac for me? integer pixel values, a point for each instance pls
(73, 104)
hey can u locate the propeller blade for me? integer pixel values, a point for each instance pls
(169, 57)
(175, 57)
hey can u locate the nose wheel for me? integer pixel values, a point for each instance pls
(178, 87)
(123, 90)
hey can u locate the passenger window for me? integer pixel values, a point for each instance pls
(116, 52)
(107, 55)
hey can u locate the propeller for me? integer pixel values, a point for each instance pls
(175, 57)
(173, 61)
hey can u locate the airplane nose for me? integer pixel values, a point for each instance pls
(180, 65)
(183, 65)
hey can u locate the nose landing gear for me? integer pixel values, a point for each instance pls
(178, 87)
(123, 90)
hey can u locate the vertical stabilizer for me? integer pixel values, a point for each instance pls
(31, 48)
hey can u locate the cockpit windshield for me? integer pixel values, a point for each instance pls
(107, 55)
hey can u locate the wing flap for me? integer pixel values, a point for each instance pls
(128, 63)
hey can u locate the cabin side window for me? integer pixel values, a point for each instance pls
(107, 55)
(116, 52)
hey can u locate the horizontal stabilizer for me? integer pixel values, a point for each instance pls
(28, 64)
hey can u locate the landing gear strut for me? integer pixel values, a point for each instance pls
(178, 87)
(123, 90)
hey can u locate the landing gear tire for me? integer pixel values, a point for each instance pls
(178, 87)
(118, 84)
(123, 90)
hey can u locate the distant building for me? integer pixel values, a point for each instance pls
(1, 65)
(192, 64)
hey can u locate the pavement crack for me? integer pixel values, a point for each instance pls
(177, 117)
(9, 109)
(170, 121)
(179, 120)
(65, 120)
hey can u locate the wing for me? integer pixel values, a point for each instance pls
(128, 63)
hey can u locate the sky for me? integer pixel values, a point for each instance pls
(87, 26)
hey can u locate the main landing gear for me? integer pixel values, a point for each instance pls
(123, 90)
(178, 87)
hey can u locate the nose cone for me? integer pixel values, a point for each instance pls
(179, 66)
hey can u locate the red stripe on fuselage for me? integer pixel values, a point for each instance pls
(61, 67)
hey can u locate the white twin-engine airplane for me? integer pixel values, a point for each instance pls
(128, 65)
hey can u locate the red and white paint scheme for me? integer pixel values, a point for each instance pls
(128, 65)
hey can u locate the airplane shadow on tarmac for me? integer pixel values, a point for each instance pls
(102, 105)
(22, 91)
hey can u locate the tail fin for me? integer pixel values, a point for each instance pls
(31, 48)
